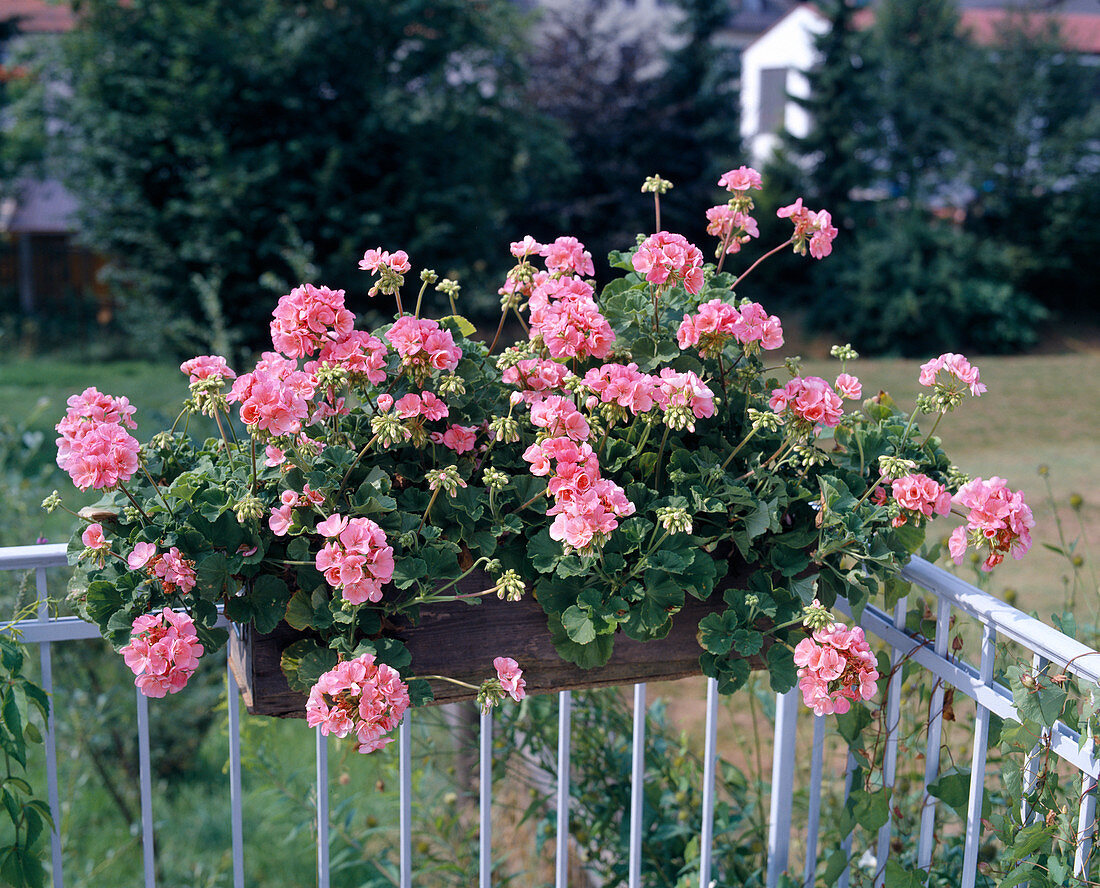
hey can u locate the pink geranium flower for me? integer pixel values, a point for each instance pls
(741, 179)
(356, 560)
(999, 522)
(810, 399)
(836, 666)
(358, 696)
(665, 257)
(511, 677)
(949, 369)
(918, 495)
(206, 367)
(163, 652)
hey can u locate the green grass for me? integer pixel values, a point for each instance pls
(1039, 411)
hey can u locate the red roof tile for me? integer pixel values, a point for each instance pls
(37, 16)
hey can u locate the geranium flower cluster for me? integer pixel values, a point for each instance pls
(666, 257)
(308, 317)
(812, 400)
(94, 447)
(623, 385)
(717, 321)
(918, 495)
(358, 696)
(207, 367)
(423, 345)
(947, 371)
(359, 353)
(586, 506)
(814, 229)
(835, 667)
(175, 572)
(733, 228)
(534, 377)
(565, 316)
(163, 652)
(999, 522)
(509, 682)
(356, 559)
(282, 516)
(274, 397)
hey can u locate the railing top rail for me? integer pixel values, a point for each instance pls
(27, 557)
(1009, 622)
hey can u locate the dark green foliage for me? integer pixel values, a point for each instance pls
(253, 142)
(914, 122)
(25, 821)
(917, 286)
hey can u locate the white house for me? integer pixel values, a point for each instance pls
(772, 70)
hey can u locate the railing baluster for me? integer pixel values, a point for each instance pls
(1086, 826)
(779, 820)
(813, 820)
(846, 845)
(932, 749)
(977, 767)
(236, 823)
(890, 753)
(561, 857)
(710, 754)
(404, 779)
(45, 655)
(146, 781)
(1031, 760)
(637, 788)
(322, 810)
(485, 836)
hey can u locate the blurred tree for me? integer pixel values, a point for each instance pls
(932, 151)
(238, 144)
(637, 89)
(1036, 164)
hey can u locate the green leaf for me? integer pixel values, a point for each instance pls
(1029, 840)
(952, 788)
(714, 635)
(543, 552)
(871, 809)
(587, 656)
(212, 576)
(781, 667)
(420, 692)
(578, 625)
(305, 661)
(464, 327)
(898, 876)
(747, 641)
(299, 612)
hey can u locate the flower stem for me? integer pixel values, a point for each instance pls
(351, 468)
(427, 509)
(419, 296)
(500, 329)
(771, 252)
(156, 487)
(454, 681)
(130, 497)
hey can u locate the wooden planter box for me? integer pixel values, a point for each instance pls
(460, 641)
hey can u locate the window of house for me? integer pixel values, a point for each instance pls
(773, 99)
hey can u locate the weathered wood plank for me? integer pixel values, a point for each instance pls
(460, 641)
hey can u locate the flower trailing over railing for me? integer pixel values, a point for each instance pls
(615, 461)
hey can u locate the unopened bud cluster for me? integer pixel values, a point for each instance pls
(510, 586)
(447, 479)
(816, 616)
(674, 519)
(893, 467)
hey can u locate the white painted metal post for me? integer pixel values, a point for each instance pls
(813, 820)
(846, 845)
(779, 821)
(890, 753)
(637, 789)
(977, 766)
(1086, 827)
(146, 781)
(710, 754)
(932, 748)
(236, 823)
(46, 659)
(561, 857)
(322, 810)
(485, 843)
(405, 799)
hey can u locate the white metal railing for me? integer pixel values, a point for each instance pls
(998, 620)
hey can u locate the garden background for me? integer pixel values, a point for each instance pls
(220, 153)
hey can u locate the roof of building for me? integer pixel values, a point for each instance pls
(38, 16)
